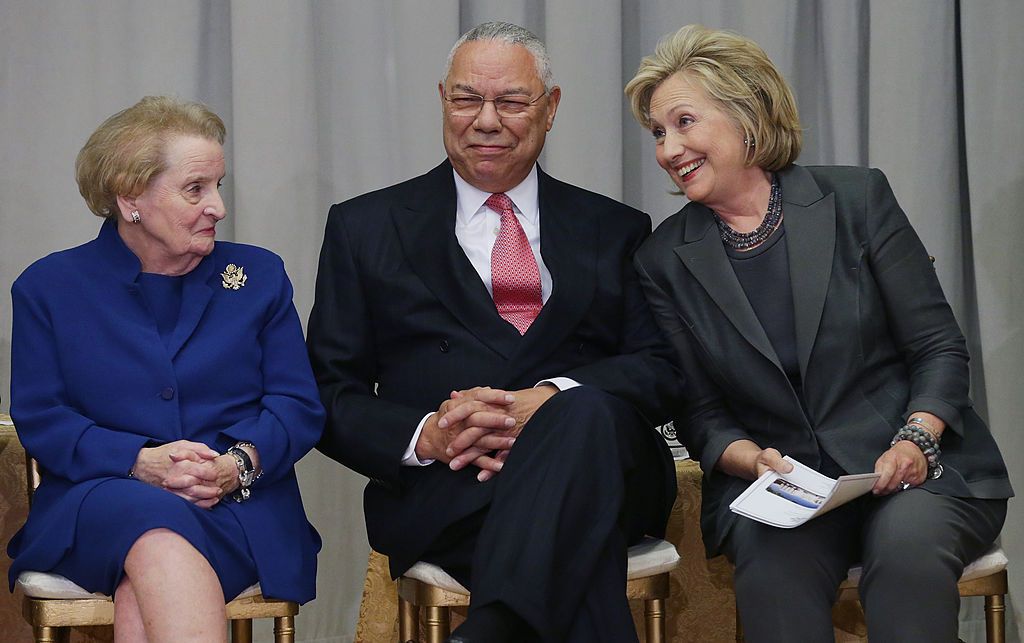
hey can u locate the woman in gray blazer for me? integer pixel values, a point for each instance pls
(809, 322)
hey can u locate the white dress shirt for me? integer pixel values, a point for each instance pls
(476, 229)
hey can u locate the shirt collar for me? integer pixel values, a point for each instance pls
(471, 199)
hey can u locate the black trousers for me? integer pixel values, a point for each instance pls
(586, 478)
(913, 545)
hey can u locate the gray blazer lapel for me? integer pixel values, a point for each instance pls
(705, 258)
(810, 220)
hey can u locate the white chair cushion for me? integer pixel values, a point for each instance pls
(434, 575)
(43, 585)
(649, 557)
(992, 561)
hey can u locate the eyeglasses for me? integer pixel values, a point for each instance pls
(508, 106)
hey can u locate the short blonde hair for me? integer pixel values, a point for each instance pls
(128, 149)
(737, 75)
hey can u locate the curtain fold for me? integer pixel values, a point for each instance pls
(325, 100)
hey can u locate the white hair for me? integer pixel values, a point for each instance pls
(511, 34)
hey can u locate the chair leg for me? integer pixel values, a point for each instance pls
(995, 619)
(739, 627)
(438, 624)
(284, 629)
(241, 631)
(654, 620)
(408, 621)
(46, 634)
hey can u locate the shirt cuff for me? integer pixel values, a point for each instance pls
(561, 383)
(409, 458)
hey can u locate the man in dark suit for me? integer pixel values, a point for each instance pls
(487, 359)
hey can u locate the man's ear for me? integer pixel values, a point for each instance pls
(554, 96)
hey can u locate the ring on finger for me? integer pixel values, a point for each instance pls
(903, 486)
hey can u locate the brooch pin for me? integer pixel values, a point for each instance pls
(233, 277)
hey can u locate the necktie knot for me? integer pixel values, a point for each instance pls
(500, 203)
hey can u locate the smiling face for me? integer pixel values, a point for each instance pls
(698, 144)
(492, 153)
(179, 208)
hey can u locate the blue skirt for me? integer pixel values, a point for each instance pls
(118, 511)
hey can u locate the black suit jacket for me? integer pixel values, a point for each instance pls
(875, 340)
(402, 318)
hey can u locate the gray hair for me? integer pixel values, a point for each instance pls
(511, 34)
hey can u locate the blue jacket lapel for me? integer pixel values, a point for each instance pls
(196, 293)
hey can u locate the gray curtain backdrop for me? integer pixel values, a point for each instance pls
(326, 100)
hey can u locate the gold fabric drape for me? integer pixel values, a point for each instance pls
(13, 511)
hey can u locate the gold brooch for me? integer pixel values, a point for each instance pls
(234, 277)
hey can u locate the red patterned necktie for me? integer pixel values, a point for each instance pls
(515, 279)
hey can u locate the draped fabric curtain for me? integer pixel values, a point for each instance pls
(326, 100)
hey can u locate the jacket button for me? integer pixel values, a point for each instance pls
(167, 393)
(443, 346)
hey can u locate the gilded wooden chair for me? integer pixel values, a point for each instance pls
(986, 577)
(52, 604)
(428, 586)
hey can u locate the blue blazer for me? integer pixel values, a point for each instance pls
(92, 382)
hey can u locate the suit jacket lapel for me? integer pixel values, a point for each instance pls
(195, 297)
(810, 220)
(705, 258)
(568, 246)
(426, 230)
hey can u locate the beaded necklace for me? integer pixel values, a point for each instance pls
(746, 240)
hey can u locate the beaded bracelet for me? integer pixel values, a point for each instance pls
(925, 441)
(924, 425)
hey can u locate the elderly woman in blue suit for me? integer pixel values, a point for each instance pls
(161, 380)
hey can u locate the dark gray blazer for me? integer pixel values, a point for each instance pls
(875, 341)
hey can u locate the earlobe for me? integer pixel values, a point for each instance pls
(126, 206)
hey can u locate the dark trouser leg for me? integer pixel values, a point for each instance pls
(786, 579)
(916, 545)
(583, 478)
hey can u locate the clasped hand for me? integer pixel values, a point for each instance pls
(190, 470)
(479, 426)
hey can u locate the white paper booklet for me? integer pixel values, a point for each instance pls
(791, 499)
